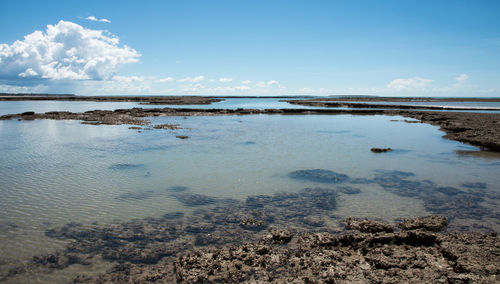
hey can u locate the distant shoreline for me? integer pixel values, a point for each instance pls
(189, 99)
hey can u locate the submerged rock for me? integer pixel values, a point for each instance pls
(191, 200)
(475, 185)
(177, 188)
(448, 201)
(319, 175)
(121, 167)
(348, 190)
(136, 195)
(173, 215)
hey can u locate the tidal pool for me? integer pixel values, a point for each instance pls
(54, 173)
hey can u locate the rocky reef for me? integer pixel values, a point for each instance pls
(283, 237)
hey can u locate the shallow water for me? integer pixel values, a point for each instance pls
(479, 105)
(56, 172)
(12, 107)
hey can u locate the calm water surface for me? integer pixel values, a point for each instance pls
(11, 107)
(56, 172)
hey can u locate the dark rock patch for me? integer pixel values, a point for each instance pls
(125, 167)
(348, 190)
(319, 175)
(448, 201)
(136, 195)
(380, 150)
(191, 199)
(475, 185)
(177, 188)
(173, 215)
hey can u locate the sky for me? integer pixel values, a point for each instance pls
(242, 48)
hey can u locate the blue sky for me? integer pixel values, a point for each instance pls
(387, 48)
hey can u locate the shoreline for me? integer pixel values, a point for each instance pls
(476, 129)
(167, 100)
(341, 103)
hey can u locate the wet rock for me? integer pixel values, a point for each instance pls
(177, 188)
(278, 236)
(193, 200)
(320, 197)
(431, 223)
(319, 175)
(28, 113)
(173, 215)
(182, 136)
(123, 167)
(252, 224)
(367, 226)
(167, 126)
(380, 150)
(314, 221)
(448, 190)
(448, 201)
(258, 201)
(475, 185)
(58, 260)
(348, 190)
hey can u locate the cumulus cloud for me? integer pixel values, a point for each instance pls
(65, 51)
(128, 79)
(94, 19)
(460, 80)
(195, 79)
(166, 79)
(272, 82)
(225, 80)
(246, 82)
(414, 83)
(242, 88)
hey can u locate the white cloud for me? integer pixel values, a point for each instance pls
(242, 88)
(246, 82)
(225, 80)
(28, 73)
(65, 51)
(23, 89)
(164, 80)
(414, 83)
(94, 19)
(195, 79)
(272, 82)
(128, 79)
(462, 78)
(212, 80)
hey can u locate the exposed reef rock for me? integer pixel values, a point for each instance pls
(406, 256)
(380, 150)
(368, 226)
